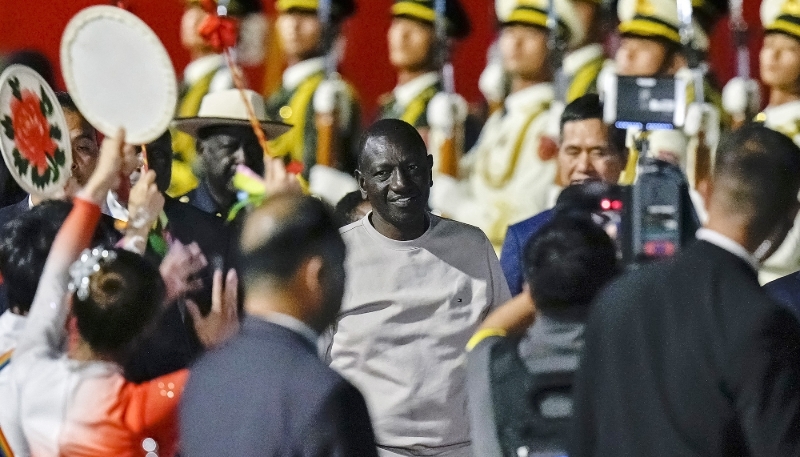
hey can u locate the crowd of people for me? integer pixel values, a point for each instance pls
(362, 309)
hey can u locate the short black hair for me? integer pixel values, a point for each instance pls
(125, 295)
(582, 108)
(25, 243)
(394, 130)
(66, 101)
(306, 230)
(34, 60)
(345, 211)
(568, 262)
(758, 170)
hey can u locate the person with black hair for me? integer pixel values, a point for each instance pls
(538, 332)
(270, 373)
(418, 285)
(71, 399)
(587, 153)
(351, 208)
(689, 356)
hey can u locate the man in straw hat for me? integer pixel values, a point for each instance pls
(508, 174)
(307, 89)
(225, 139)
(207, 72)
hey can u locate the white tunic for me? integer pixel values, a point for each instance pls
(409, 309)
(504, 178)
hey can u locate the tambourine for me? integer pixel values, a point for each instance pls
(119, 73)
(34, 136)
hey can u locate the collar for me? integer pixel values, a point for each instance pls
(530, 98)
(293, 324)
(201, 67)
(778, 115)
(30, 202)
(723, 242)
(300, 71)
(407, 92)
(576, 59)
(117, 210)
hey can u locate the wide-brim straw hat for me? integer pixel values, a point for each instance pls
(226, 107)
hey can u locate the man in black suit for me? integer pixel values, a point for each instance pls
(266, 392)
(689, 356)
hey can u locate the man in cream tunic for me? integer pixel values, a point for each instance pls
(510, 172)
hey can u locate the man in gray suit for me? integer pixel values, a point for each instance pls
(266, 392)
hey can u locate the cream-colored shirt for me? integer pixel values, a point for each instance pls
(409, 309)
(504, 179)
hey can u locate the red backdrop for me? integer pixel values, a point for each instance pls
(38, 24)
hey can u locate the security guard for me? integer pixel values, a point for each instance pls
(412, 47)
(207, 72)
(508, 174)
(305, 92)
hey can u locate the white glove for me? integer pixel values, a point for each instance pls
(492, 82)
(741, 95)
(331, 94)
(330, 184)
(445, 111)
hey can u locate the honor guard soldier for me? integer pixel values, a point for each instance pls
(207, 72)
(313, 98)
(412, 52)
(780, 71)
(510, 171)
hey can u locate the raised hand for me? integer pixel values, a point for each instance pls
(178, 269)
(115, 158)
(223, 321)
(277, 180)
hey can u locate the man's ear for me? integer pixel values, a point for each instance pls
(677, 62)
(361, 184)
(310, 273)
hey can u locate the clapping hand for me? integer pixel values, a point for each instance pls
(180, 268)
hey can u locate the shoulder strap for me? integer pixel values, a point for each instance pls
(585, 79)
(5, 448)
(291, 143)
(418, 106)
(5, 359)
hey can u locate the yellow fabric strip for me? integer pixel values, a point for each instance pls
(647, 28)
(292, 142)
(527, 16)
(584, 78)
(414, 10)
(418, 106)
(782, 25)
(285, 5)
(482, 334)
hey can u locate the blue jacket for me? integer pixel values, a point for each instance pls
(786, 291)
(514, 246)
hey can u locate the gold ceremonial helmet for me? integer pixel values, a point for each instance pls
(781, 16)
(534, 13)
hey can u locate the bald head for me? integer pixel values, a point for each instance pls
(284, 232)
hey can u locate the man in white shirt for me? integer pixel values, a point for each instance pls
(417, 287)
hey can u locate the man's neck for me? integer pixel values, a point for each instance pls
(223, 200)
(778, 97)
(406, 75)
(267, 301)
(518, 84)
(411, 231)
(733, 228)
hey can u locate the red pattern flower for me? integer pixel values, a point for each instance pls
(32, 131)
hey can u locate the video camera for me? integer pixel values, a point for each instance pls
(652, 219)
(645, 103)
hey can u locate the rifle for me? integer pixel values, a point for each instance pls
(740, 38)
(327, 122)
(701, 171)
(448, 150)
(557, 47)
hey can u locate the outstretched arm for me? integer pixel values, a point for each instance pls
(44, 331)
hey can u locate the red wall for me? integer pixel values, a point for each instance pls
(38, 24)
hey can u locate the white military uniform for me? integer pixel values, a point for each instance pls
(504, 180)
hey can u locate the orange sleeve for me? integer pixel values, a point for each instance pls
(153, 409)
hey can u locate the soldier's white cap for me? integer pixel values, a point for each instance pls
(781, 16)
(534, 13)
(656, 19)
(503, 9)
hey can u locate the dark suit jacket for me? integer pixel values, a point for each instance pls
(514, 245)
(786, 290)
(6, 214)
(266, 393)
(173, 344)
(689, 357)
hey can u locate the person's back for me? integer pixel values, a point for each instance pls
(689, 356)
(266, 392)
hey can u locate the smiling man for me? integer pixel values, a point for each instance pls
(586, 153)
(417, 288)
